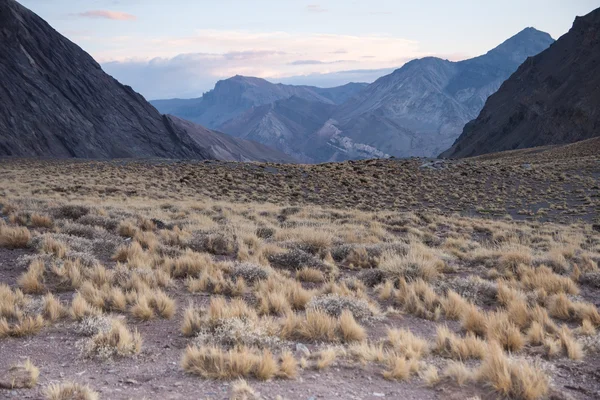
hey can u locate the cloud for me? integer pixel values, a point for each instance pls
(315, 8)
(106, 14)
(318, 62)
(187, 66)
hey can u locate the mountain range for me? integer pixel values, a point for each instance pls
(418, 110)
(528, 91)
(232, 97)
(553, 98)
(57, 102)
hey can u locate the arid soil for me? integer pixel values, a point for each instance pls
(417, 280)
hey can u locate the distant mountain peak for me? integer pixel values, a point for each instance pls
(553, 99)
(529, 40)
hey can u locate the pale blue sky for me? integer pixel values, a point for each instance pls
(149, 44)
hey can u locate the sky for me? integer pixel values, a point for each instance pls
(180, 48)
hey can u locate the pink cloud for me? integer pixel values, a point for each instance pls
(114, 15)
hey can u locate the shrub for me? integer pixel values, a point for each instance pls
(294, 260)
(251, 273)
(334, 305)
(71, 211)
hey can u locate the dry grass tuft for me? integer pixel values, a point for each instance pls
(404, 342)
(475, 321)
(350, 329)
(14, 237)
(326, 358)
(448, 344)
(430, 375)
(53, 308)
(41, 221)
(80, 308)
(399, 368)
(288, 367)
(19, 376)
(55, 247)
(216, 363)
(311, 275)
(459, 372)
(241, 390)
(70, 391)
(315, 326)
(118, 341)
(502, 330)
(27, 326)
(31, 282)
(514, 379)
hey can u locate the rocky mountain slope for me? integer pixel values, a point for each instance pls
(553, 98)
(421, 108)
(234, 96)
(57, 102)
(221, 146)
(418, 110)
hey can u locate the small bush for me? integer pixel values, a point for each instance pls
(334, 305)
(295, 259)
(250, 272)
(71, 211)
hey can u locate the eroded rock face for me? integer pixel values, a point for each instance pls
(553, 98)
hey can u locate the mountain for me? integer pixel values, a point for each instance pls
(57, 102)
(284, 124)
(221, 146)
(300, 128)
(418, 110)
(553, 98)
(234, 96)
(421, 108)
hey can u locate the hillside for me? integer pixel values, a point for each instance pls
(553, 98)
(421, 108)
(57, 102)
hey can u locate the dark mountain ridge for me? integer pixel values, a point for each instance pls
(553, 98)
(57, 102)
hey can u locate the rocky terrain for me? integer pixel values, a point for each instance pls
(57, 102)
(552, 98)
(416, 279)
